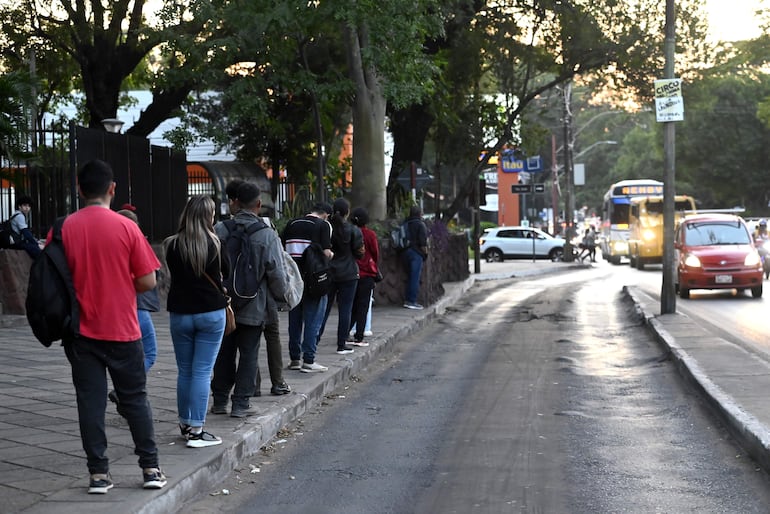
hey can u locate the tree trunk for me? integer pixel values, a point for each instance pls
(410, 128)
(368, 130)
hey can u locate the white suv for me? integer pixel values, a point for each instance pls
(501, 243)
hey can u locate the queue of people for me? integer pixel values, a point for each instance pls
(117, 334)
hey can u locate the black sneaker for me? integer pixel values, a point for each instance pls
(202, 440)
(219, 409)
(282, 388)
(153, 478)
(343, 350)
(184, 430)
(243, 412)
(100, 484)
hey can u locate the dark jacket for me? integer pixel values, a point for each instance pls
(266, 244)
(418, 235)
(347, 245)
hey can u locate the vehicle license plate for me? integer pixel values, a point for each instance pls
(724, 279)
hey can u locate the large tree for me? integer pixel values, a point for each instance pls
(108, 42)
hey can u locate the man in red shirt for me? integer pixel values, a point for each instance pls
(110, 261)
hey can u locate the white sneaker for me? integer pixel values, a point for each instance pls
(368, 333)
(312, 368)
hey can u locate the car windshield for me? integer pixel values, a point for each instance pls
(711, 233)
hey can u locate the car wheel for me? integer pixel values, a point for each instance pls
(756, 292)
(556, 254)
(684, 293)
(494, 255)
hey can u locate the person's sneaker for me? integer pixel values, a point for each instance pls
(312, 368)
(153, 478)
(295, 365)
(99, 484)
(368, 333)
(359, 343)
(218, 409)
(344, 350)
(415, 306)
(184, 430)
(202, 440)
(242, 412)
(282, 388)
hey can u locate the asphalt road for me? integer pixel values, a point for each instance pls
(528, 396)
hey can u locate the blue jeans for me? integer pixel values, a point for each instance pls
(149, 343)
(344, 293)
(304, 323)
(413, 260)
(243, 343)
(90, 359)
(196, 339)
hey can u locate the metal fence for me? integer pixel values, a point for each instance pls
(156, 180)
(152, 178)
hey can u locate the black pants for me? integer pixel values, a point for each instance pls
(274, 359)
(90, 359)
(361, 306)
(241, 378)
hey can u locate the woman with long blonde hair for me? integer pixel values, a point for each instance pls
(196, 306)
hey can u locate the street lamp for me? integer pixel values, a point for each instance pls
(112, 125)
(591, 147)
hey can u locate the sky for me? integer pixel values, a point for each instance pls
(732, 20)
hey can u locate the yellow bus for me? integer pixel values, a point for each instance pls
(645, 224)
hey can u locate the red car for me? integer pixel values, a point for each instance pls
(715, 251)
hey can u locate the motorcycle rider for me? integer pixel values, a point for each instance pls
(761, 230)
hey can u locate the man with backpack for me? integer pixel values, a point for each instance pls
(256, 279)
(308, 241)
(110, 261)
(19, 226)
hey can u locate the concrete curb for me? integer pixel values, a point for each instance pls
(752, 435)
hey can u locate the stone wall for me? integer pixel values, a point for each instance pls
(447, 262)
(14, 275)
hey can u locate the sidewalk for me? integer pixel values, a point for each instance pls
(43, 465)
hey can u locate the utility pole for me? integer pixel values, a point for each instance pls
(569, 208)
(667, 292)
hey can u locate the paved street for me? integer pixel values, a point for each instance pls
(43, 463)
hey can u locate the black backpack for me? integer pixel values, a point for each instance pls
(52, 308)
(243, 282)
(315, 271)
(9, 238)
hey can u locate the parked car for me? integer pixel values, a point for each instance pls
(715, 251)
(497, 244)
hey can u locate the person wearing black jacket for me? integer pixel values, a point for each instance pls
(348, 246)
(415, 255)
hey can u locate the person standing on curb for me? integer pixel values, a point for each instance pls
(196, 305)
(305, 319)
(252, 316)
(415, 255)
(367, 270)
(110, 338)
(347, 246)
(271, 330)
